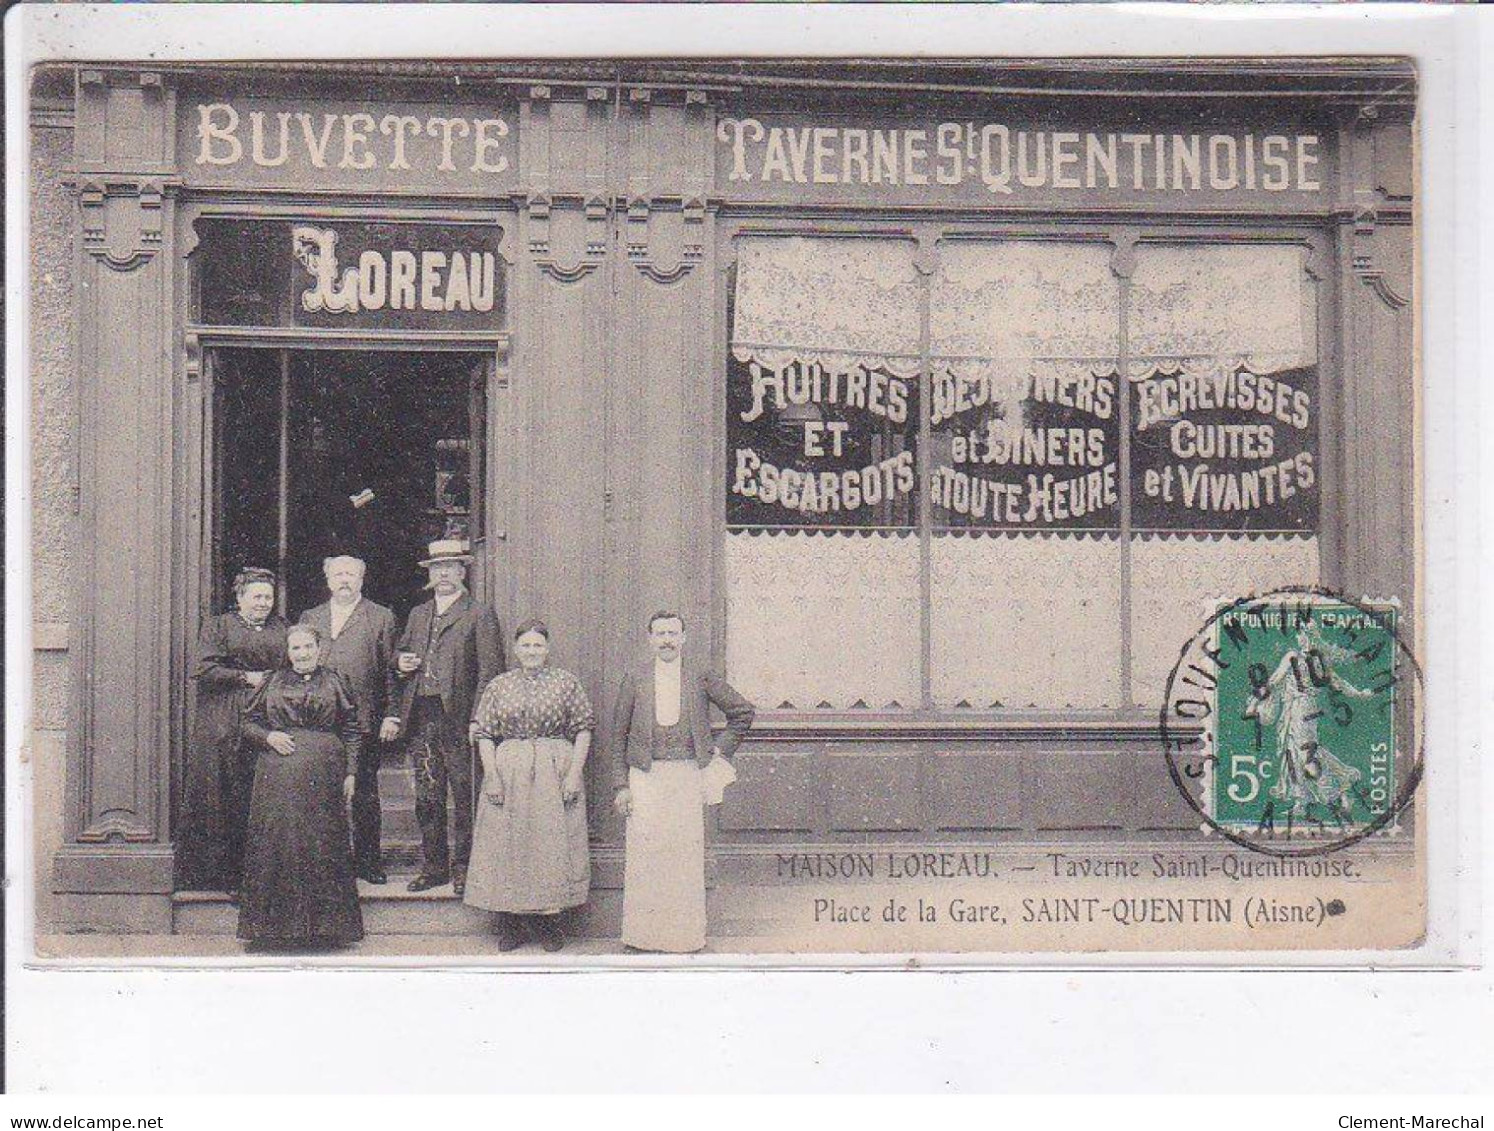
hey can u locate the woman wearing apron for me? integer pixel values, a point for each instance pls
(530, 855)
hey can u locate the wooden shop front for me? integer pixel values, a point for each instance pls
(941, 402)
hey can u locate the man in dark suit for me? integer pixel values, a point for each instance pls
(451, 648)
(358, 643)
(664, 755)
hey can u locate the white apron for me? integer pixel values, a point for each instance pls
(530, 854)
(664, 904)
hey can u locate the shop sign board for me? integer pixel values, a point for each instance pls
(339, 275)
(1002, 163)
(1225, 451)
(815, 447)
(1053, 466)
(402, 147)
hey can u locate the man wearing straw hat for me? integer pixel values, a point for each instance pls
(452, 646)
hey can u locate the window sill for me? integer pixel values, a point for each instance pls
(1018, 726)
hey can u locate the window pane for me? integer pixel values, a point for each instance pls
(1224, 390)
(822, 385)
(823, 621)
(822, 556)
(1024, 406)
(1025, 477)
(1026, 621)
(1177, 583)
(1225, 481)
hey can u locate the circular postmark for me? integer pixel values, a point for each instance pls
(1291, 722)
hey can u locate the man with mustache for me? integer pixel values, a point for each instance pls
(668, 764)
(358, 644)
(450, 650)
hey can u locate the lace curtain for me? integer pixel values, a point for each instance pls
(1178, 583)
(1211, 310)
(840, 303)
(1003, 313)
(823, 619)
(1001, 310)
(1018, 306)
(1026, 622)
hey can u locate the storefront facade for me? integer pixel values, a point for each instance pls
(941, 403)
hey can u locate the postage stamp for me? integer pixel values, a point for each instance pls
(1287, 718)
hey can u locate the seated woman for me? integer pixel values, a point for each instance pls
(530, 857)
(299, 887)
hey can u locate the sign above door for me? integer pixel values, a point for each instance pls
(342, 275)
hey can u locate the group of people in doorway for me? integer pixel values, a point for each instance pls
(281, 800)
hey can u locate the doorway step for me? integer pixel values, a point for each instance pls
(740, 904)
(736, 910)
(388, 909)
(400, 834)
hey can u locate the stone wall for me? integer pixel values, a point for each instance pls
(53, 418)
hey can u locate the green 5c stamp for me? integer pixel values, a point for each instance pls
(1310, 679)
(1290, 721)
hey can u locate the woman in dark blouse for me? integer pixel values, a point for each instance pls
(299, 886)
(236, 652)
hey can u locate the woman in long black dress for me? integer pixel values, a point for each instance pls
(299, 886)
(236, 652)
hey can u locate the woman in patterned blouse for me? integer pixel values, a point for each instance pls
(530, 857)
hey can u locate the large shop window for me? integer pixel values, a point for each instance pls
(1025, 558)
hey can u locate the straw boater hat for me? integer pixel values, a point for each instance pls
(448, 550)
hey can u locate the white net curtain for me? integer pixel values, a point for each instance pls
(1211, 310)
(825, 619)
(841, 303)
(1217, 308)
(1024, 621)
(1006, 312)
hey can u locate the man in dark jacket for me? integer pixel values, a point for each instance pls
(451, 648)
(358, 643)
(665, 760)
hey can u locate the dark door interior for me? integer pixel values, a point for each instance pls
(322, 452)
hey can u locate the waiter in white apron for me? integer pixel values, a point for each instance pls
(668, 766)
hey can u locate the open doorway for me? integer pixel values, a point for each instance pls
(321, 452)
